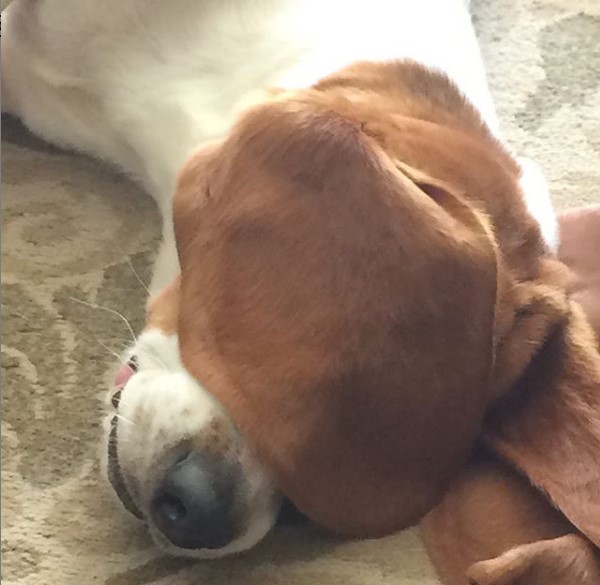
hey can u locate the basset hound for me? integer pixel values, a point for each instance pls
(360, 303)
(365, 293)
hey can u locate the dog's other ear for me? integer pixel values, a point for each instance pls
(342, 314)
(527, 540)
(549, 424)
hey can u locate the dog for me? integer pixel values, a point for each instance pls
(364, 396)
(334, 188)
(153, 88)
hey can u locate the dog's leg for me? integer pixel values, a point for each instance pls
(166, 264)
(39, 87)
(54, 102)
(567, 560)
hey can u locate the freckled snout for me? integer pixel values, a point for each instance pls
(195, 502)
(217, 499)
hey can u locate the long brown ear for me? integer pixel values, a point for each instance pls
(315, 305)
(527, 541)
(549, 425)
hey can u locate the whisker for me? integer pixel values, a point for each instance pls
(137, 276)
(160, 363)
(122, 342)
(121, 417)
(158, 360)
(135, 272)
(123, 402)
(108, 310)
(109, 350)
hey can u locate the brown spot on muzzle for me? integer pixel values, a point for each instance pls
(218, 438)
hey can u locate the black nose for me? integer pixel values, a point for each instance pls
(194, 505)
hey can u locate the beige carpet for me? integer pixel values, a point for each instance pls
(71, 228)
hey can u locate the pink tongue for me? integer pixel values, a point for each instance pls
(125, 372)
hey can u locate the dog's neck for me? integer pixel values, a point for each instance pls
(299, 42)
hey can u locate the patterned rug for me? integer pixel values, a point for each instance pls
(74, 234)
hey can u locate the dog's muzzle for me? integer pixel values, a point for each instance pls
(194, 504)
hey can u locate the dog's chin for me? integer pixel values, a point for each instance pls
(261, 520)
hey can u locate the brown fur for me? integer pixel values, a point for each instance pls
(162, 311)
(364, 290)
(493, 528)
(554, 440)
(568, 560)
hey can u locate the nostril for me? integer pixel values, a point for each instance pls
(171, 508)
(182, 457)
(194, 504)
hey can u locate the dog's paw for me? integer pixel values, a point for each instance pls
(567, 560)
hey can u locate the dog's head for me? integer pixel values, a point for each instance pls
(360, 282)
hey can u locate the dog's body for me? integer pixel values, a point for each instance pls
(144, 85)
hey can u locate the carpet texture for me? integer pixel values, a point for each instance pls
(74, 235)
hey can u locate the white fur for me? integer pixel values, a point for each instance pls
(161, 407)
(143, 83)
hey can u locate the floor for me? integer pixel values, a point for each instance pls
(74, 235)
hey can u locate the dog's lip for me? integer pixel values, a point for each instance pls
(115, 474)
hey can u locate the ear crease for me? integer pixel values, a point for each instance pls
(539, 309)
(567, 560)
(549, 428)
(454, 202)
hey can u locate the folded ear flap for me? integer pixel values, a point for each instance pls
(453, 203)
(549, 425)
(567, 560)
